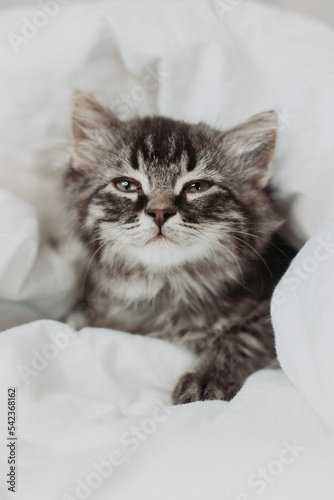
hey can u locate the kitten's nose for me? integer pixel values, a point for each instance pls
(160, 215)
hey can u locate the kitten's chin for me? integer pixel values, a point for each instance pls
(163, 253)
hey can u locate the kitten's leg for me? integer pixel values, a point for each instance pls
(229, 359)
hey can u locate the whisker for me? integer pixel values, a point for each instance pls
(89, 265)
(257, 253)
(120, 233)
(116, 234)
(231, 253)
(250, 246)
(219, 245)
(268, 243)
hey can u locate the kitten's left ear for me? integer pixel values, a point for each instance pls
(250, 147)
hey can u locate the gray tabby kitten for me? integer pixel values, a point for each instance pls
(175, 221)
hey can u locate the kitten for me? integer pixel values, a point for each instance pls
(176, 221)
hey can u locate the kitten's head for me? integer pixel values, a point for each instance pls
(163, 193)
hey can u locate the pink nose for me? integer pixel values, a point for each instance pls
(160, 215)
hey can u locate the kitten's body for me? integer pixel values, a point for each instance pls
(181, 255)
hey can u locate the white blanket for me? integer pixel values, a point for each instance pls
(93, 411)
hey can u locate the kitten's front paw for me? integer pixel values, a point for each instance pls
(203, 387)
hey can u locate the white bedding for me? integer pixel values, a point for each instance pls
(94, 418)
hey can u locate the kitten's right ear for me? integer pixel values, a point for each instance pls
(93, 127)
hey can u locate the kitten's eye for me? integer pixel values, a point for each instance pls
(197, 186)
(127, 185)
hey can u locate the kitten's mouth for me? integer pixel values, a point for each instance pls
(159, 238)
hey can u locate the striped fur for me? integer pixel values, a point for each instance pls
(199, 279)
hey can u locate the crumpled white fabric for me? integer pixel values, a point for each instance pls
(303, 314)
(94, 416)
(35, 282)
